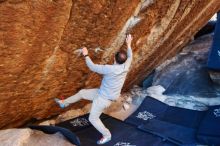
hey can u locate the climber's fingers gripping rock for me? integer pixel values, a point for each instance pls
(84, 51)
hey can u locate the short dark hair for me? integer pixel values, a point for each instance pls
(121, 57)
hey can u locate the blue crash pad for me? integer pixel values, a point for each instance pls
(183, 117)
(122, 135)
(167, 121)
(177, 134)
(79, 123)
(153, 123)
(154, 109)
(214, 55)
(149, 109)
(209, 129)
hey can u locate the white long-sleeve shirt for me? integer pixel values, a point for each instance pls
(113, 76)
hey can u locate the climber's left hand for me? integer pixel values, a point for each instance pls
(84, 51)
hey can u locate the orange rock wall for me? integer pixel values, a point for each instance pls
(39, 42)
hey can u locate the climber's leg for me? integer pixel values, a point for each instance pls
(98, 106)
(88, 94)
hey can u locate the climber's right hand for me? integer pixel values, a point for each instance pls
(129, 39)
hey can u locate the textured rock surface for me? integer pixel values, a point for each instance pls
(28, 137)
(184, 80)
(39, 42)
(186, 74)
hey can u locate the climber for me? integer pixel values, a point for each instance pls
(112, 82)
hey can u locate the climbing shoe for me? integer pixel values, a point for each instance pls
(103, 140)
(59, 102)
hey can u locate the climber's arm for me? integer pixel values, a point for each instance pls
(129, 51)
(101, 69)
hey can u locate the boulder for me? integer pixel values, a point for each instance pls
(28, 137)
(40, 41)
(184, 80)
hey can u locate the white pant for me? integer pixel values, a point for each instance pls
(98, 106)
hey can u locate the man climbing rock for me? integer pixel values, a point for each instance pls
(110, 89)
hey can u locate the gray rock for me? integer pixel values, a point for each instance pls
(28, 137)
(186, 74)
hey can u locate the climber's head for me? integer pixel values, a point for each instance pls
(120, 57)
